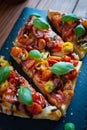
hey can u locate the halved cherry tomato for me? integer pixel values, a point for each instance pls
(57, 47)
(10, 94)
(3, 86)
(43, 65)
(38, 98)
(67, 47)
(19, 52)
(22, 38)
(46, 74)
(28, 63)
(66, 58)
(72, 55)
(49, 87)
(53, 59)
(16, 51)
(41, 44)
(35, 109)
(74, 62)
(73, 74)
(59, 96)
(52, 62)
(29, 47)
(84, 23)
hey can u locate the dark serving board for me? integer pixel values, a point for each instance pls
(77, 111)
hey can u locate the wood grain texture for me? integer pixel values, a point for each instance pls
(60, 5)
(81, 8)
(10, 13)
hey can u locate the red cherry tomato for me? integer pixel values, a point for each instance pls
(67, 58)
(74, 62)
(35, 109)
(73, 74)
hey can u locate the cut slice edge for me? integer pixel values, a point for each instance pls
(51, 13)
(48, 112)
(64, 106)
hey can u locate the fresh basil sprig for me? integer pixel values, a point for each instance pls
(61, 68)
(69, 126)
(69, 18)
(35, 54)
(40, 23)
(4, 73)
(35, 14)
(79, 31)
(25, 95)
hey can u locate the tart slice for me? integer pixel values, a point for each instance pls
(72, 28)
(19, 98)
(54, 76)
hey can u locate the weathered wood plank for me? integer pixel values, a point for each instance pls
(81, 8)
(60, 5)
(9, 15)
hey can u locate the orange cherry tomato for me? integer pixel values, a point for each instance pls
(41, 44)
(84, 23)
(73, 74)
(46, 74)
(67, 58)
(16, 51)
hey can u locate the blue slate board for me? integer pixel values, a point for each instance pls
(77, 111)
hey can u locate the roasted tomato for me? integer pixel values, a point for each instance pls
(74, 62)
(73, 74)
(28, 64)
(66, 58)
(84, 23)
(10, 94)
(20, 53)
(46, 74)
(53, 59)
(41, 44)
(16, 51)
(35, 109)
(57, 47)
(22, 37)
(3, 86)
(38, 98)
(59, 96)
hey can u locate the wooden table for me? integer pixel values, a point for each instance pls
(10, 13)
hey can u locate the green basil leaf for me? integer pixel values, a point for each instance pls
(35, 14)
(61, 68)
(35, 54)
(69, 126)
(40, 23)
(25, 95)
(69, 18)
(4, 73)
(79, 31)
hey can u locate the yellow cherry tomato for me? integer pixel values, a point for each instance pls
(3, 86)
(67, 47)
(3, 63)
(49, 87)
